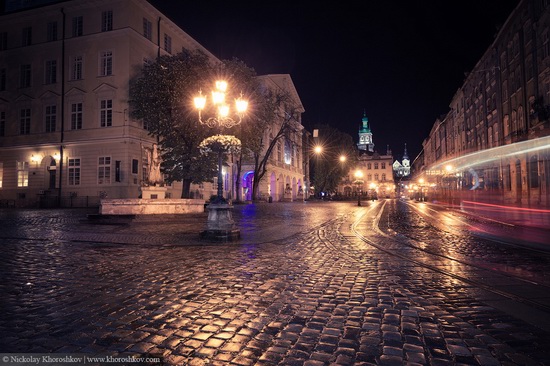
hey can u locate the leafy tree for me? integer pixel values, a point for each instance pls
(161, 96)
(328, 169)
(274, 120)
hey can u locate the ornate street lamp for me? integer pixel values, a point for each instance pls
(359, 182)
(220, 224)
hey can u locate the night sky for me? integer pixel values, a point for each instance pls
(400, 62)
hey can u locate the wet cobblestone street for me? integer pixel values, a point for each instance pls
(282, 295)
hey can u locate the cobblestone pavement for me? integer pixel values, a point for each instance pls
(281, 295)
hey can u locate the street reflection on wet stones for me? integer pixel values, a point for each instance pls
(299, 288)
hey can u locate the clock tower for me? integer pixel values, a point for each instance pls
(365, 136)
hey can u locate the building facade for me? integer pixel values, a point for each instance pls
(285, 179)
(372, 177)
(494, 143)
(66, 134)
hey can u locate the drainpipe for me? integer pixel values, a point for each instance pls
(62, 137)
(158, 37)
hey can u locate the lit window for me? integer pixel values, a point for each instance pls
(22, 173)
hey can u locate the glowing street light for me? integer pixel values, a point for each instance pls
(220, 225)
(223, 110)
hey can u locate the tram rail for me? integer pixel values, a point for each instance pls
(363, 232)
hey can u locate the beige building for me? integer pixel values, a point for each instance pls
(66, 135)
(494, 143)
(373, 174)
(284, 179)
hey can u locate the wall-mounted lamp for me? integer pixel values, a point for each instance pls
(35, 158)
(56, 156)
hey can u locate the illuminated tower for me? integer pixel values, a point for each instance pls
(365, 136)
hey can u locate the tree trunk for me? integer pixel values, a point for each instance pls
(186, 188)
(238, 181)
(256, 181)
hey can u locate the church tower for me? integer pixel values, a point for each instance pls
(365, 136)
(406, 161)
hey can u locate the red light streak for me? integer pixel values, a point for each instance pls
(508, 207)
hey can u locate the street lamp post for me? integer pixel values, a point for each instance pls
(220, 225)
(359, 183)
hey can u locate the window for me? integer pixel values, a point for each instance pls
(375, 165)
(2, 79)
(26, 36)
(2, 123)
(76, 116)
(147, 29)
(25, 121)
(77, 26)
(50, 72)
(104, 170)
(22, 173)
(107, 21)
(106, 63)
(383, 177)
(3, 41)
(51, 117)
(376, 177)
(382, 165)
(106, 113)
(52, 32)
(135, 163)
(76, 68)
(25, 77)
(74, 172)
(534, 172)
(167, 43)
